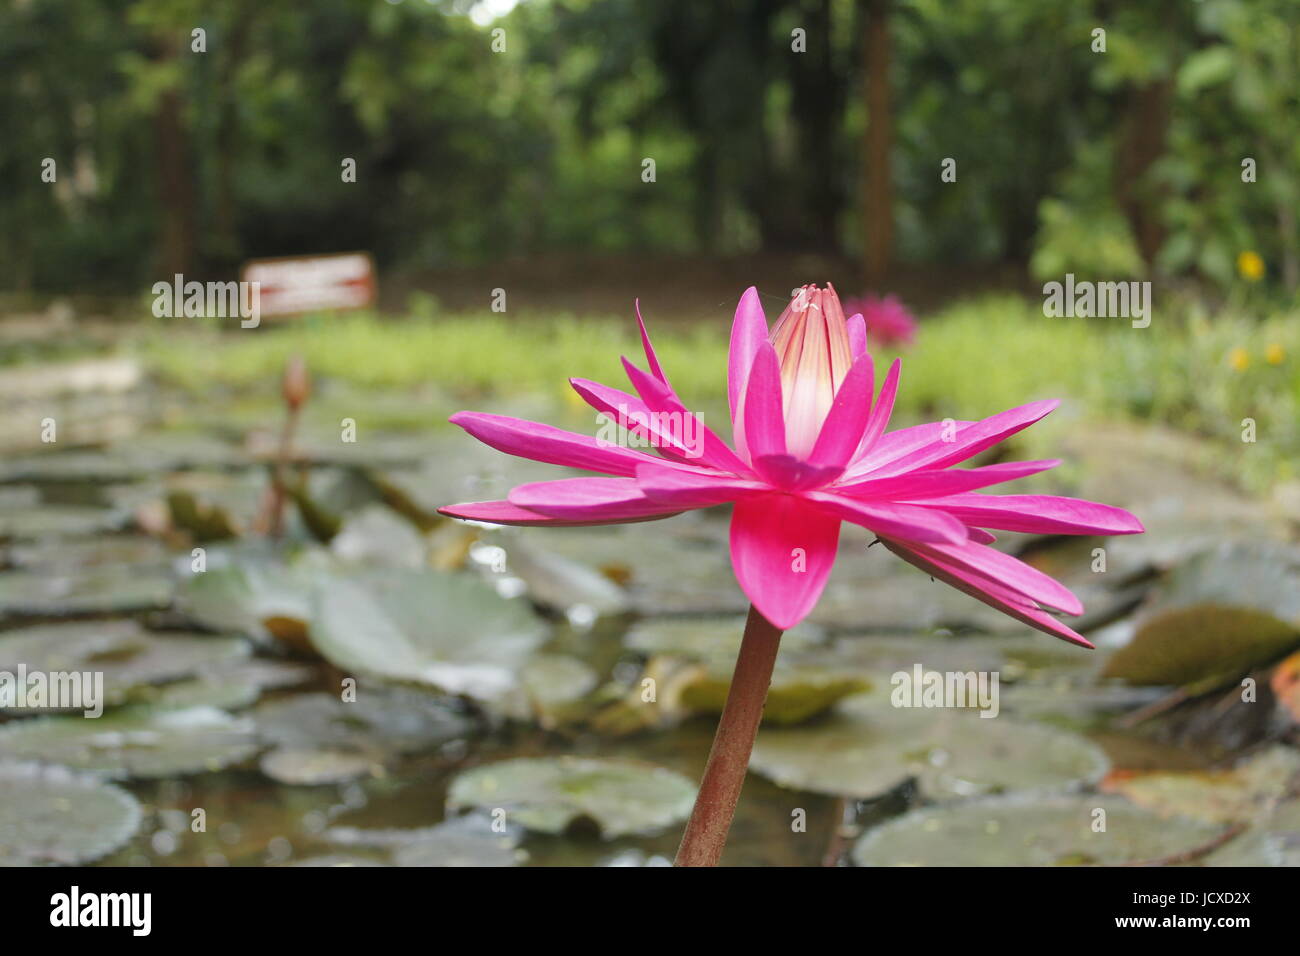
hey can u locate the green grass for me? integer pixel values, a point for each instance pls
(972, 359)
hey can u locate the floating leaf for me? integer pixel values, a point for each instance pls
(550, 794)
(868, 747)
(1216, 617)
(128, 656)
(1245, 793)
(562, 583)
(314, 767)
(53, 815)
(251, 595)
(1028, 830)
(450, 631)
(381, 721)
(134, 742)
(376, 535)
(107, 589)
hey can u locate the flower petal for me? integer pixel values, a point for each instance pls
(995, 597)
(545, 443)
(857, 329)
(1038, 514)
(748, 332)
(907, 522)
(969, 441)
(651, 359)
(882, 410)
(894, 445)
(589, 500)
(935, 483)
(782, 549)
(503, 512)
(629, 411)
(691, 489)
(788, 473)
(705, 447)
(1001, 570)
(764, 422)
(847, 419)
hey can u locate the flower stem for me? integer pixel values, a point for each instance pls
(724, 775)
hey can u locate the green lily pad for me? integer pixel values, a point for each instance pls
(1029, 830)
(128, 656)
(381, 721)
(247, 593)
(314, 767)
(551, 794)
(562, 583)
(57, 521)
(1246, 793)
(1216, 617)
(53, 815)
(868, 747)
(377, 535)
(106, 589)
(553, 682)
(134, 742)
(450, 631)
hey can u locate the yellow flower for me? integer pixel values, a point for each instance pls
(1274, 354)
(1239, 359)
(1250, 265)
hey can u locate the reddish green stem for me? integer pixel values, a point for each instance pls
(724, 775)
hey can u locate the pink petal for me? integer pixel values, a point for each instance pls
(589, 500)
(545, 443)
(884, 408)
(995, 597)
(1001, 570)
(748, 332)
(764, 422)
(503, 512)
(972, 439)
(628, 410)
(857, 329)
(1039, 514)
(651, 359)
(687, 489)
(847, 420)
(982, 536)
(782, 549)
(894, 445)
(788, 473)
(712, 450)
(935, 483)
(907, 522)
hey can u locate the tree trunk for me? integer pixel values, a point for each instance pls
(175, 182)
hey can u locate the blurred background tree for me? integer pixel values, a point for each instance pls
(757, 114)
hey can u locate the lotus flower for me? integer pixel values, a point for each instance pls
(812, 450)
(888, 320)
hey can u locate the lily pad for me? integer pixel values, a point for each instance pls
(134, 742)
(128, 656)
(1246, 793)
(251, 595)
(1027, 830)
(376, 535)
(57, 521)
(53, 815)
(551, 794)
(562, 583)
(1216, 617)
(314, 767)
(450, 631)
(106, 589)
(381, 721)
(868, 747)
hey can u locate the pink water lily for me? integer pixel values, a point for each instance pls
(812, 451)
(888, 321)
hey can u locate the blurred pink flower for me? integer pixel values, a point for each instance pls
(888, 321)
(811, 451)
